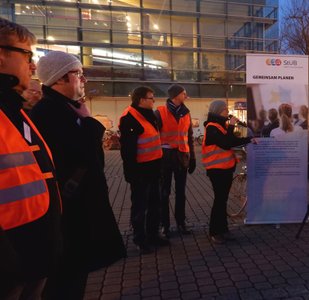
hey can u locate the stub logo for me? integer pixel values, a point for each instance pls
(273, 62)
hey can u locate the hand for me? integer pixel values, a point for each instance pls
(233, 121)
(192, 165)
(254, 141)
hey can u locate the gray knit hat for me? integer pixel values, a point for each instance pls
(174, 90)
(54, 65)
(216, 107)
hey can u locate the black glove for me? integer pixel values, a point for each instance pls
(192, 165)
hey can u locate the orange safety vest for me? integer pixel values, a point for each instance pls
(214, 157)
(148, 143)
(172, 133)
(24, 195)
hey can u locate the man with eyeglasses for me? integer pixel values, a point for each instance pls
(30, 238)
(141, 153)
(91, 236)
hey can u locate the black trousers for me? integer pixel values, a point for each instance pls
(145, 199)
(171, 166)
(221, 181)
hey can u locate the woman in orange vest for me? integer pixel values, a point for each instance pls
(219, 162)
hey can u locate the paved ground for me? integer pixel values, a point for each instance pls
(266, 261)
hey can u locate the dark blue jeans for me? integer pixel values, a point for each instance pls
(145, 199)
(221, 181)
(171, 166)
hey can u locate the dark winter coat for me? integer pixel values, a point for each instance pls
(184, 159)
(29, 252)
(216, 137)
(130, 129)
(91, 236)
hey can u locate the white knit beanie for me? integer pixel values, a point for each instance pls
(54, 65)
(217, 106)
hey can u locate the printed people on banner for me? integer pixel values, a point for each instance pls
(286, 125)
(273, 122)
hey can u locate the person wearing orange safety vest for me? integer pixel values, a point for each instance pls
(219, 161)
(30, 204)
(141, 154)
(178, 155)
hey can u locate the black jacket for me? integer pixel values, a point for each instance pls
(29, 251)
(216, 137)
(91, 235)
(130, 129)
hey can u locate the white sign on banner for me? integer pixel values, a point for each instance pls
(277, 101)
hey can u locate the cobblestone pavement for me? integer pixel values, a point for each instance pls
(265, 262)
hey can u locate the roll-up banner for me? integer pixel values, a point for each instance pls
(277, 101)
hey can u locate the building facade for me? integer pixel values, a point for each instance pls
(200, 44)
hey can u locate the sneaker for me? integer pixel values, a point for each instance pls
(144, 248)
(217, 239)
(183, 229)
(158, 241)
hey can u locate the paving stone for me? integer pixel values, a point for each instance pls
(274, 293)
(154, 291)
(264, 262)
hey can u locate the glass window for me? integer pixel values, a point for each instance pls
(213, 43)
(213, 7)
(184, 64)
(96, 36)
(94, 88)
(126, 28)
(236, 62)
(96, 19)
(123, 89)
(5, 11)
(213, 61)
(130, 3)
(212, 26)
(184, 25)
(184, 5)
(162, 5)
(61, 16)
(61, 33)
(235, 9)
(30, 14)
(133, 3)
(155, 23)
(157, 65)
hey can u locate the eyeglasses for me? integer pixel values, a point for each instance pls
(78, 74)
(150, 98)
(20, 50)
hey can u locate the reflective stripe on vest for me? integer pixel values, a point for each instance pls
(173, 133)
(214, 157)
(24, 195)
(148, 143)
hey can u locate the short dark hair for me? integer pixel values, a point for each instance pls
(272, 114)
(139, 93)
(10, 31)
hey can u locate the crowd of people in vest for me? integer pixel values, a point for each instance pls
(56, 222)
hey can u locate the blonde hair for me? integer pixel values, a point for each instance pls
(285, 113)
(303, 111)
(10, 32)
